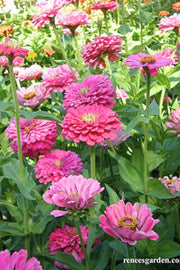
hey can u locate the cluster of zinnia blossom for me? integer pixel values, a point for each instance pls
(172, 184)
(65, 239)
(110, 6)
(18, 261)
(72, 19)
(6, 30)
(150, 62)
(176, 6)
(170, 23)
(10, 47)
(95, 89)
(47, 11)
(32, 96)
(58, 78)
(54, 166)
(37, 136)
(100, 47)
(91, 124)
(128, 222)
(74, 193)
(17, 61)
(119, 139)
(30, 73)
(175, 122)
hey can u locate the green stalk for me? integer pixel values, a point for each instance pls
(92, 162)
(140, 19)
(63, 51)
(161, 102)
(124, 26)
(113, 260)
(26, 218)
(76, 48)
(177, 220)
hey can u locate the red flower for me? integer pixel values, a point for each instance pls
(11, 47)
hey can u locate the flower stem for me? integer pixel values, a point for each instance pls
(124, 26)
(63, 51)
(177, 220)
(26, 218)
(161, 102)
(113, 260)
(76, 48)
(92, 162)
(140, 19)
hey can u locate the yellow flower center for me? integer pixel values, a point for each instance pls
(148, 59)
(169, 181)
(73, 194)
(83, 91)
(28, 128)
(58, 163)
(88, 117)
(29, 95)
(128, 221)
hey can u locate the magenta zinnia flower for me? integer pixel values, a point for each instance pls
(58, 78)
(170, 23)
(72, 19)
(18, 261)
(147, 61)
(66, 239)
(110, 6)
(173, 184)
(100, 47)
(11, 48)
(30, 73)
(91, 124)
(128, 223)
(175, 122)
(74, 193)
(32, 96)
(53, 166)
(37, 136)
(95, 89)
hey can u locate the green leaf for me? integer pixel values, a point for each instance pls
(136, 120)
(11, 227)
(4, 106)
(120, 247)
(12, 171)
(38, 115)
(167, 249)
(93, 234)
(113, 197)
(157, 189)
(129, 173)
(154, 160)
(12, 210)
(163, 80)
(140, 48)
(104, 255)
(154, 108)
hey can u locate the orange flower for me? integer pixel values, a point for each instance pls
(176, 6)
(48, 52)
(26, 22)
(147, 1)
(6, 30)
(163, 13)
(88, 9)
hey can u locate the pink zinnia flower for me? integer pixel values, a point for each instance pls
(53, 166)
(128, 223)
(32, 96)
(91, 124)
(119, 139)
(74, 193)
(121, 94)
(170, 23)
(17, 61)
(173, 184)
(11, 48)
(147, 61)
(95, 89)
(110, 6)
(175, 122)
(170, 53)
(30, 73)
(94, 51)
(18, 261)
(58, 78)
(66, 239)
(47, 12)
(72, 19)
(37, 136)
(67, 31)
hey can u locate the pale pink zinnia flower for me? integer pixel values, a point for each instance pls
(72, 19)
(119, 139)
(95, 89)
(110, 6)
(147, 61)
(11, 48)
(18, 261)
(91, 124)
(170, 23)
(32, 96)
(37, 136)
(66, 239)
(173, 184)
(121, 94)
(30, 73)
(100, 47)
(74, 193)
(56, 165)
(128, 222)
(170, 53)
(17, 61)
(58, 78)
(175, 122)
